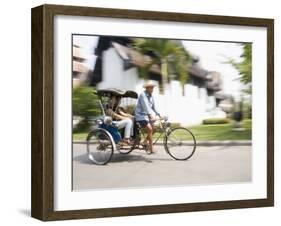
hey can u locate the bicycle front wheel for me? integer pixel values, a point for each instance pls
(180, 143)
(99, 147)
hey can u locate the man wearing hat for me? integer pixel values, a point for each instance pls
(145, 112)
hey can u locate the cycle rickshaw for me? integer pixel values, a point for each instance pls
(104, 138)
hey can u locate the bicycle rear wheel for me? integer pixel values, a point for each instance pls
(180, 143)
(99, 147)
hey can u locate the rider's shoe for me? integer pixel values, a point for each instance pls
(149, 152)
(126, 143)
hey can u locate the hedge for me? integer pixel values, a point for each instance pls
(215, 121)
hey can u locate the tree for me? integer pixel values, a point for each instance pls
(85, 104)
(244, 67)
(170, 55)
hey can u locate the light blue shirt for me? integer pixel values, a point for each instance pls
(145, 107)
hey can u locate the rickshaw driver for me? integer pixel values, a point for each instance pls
(121, 118)
(145, 112)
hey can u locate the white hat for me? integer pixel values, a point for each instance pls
(149, 83)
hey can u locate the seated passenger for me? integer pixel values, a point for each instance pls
(120, 118)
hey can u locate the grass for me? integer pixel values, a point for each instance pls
(222, 132)
(80, 136)
(207, 132)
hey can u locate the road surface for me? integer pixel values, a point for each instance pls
(209, 165)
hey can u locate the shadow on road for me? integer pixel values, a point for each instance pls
(118, 158)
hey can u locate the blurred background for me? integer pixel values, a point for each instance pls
(200, 84)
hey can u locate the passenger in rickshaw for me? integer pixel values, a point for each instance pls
(120, 118)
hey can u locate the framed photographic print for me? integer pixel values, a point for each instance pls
(141, 112)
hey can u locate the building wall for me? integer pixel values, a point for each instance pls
(114, 75)
(189, 109)
(80, 69)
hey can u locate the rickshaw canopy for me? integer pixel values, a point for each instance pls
(116, 92)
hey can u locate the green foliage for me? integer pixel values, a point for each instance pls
(171, 55)
(247, 110)
(215, 121)
(144, 71)
(245, 66)
(85, 102)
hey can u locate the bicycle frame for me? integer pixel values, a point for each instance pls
(163, 130)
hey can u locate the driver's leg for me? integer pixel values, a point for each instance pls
(149, 129)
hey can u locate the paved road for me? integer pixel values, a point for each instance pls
(209, 165)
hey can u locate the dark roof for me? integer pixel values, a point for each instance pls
(197, 71)
(132, 58)
(104, 43)
(215, 81)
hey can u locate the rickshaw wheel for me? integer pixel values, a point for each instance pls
(100, 146)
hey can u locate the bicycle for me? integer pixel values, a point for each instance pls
(102, 141)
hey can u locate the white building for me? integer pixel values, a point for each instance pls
(79, 68)
(117, 66)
